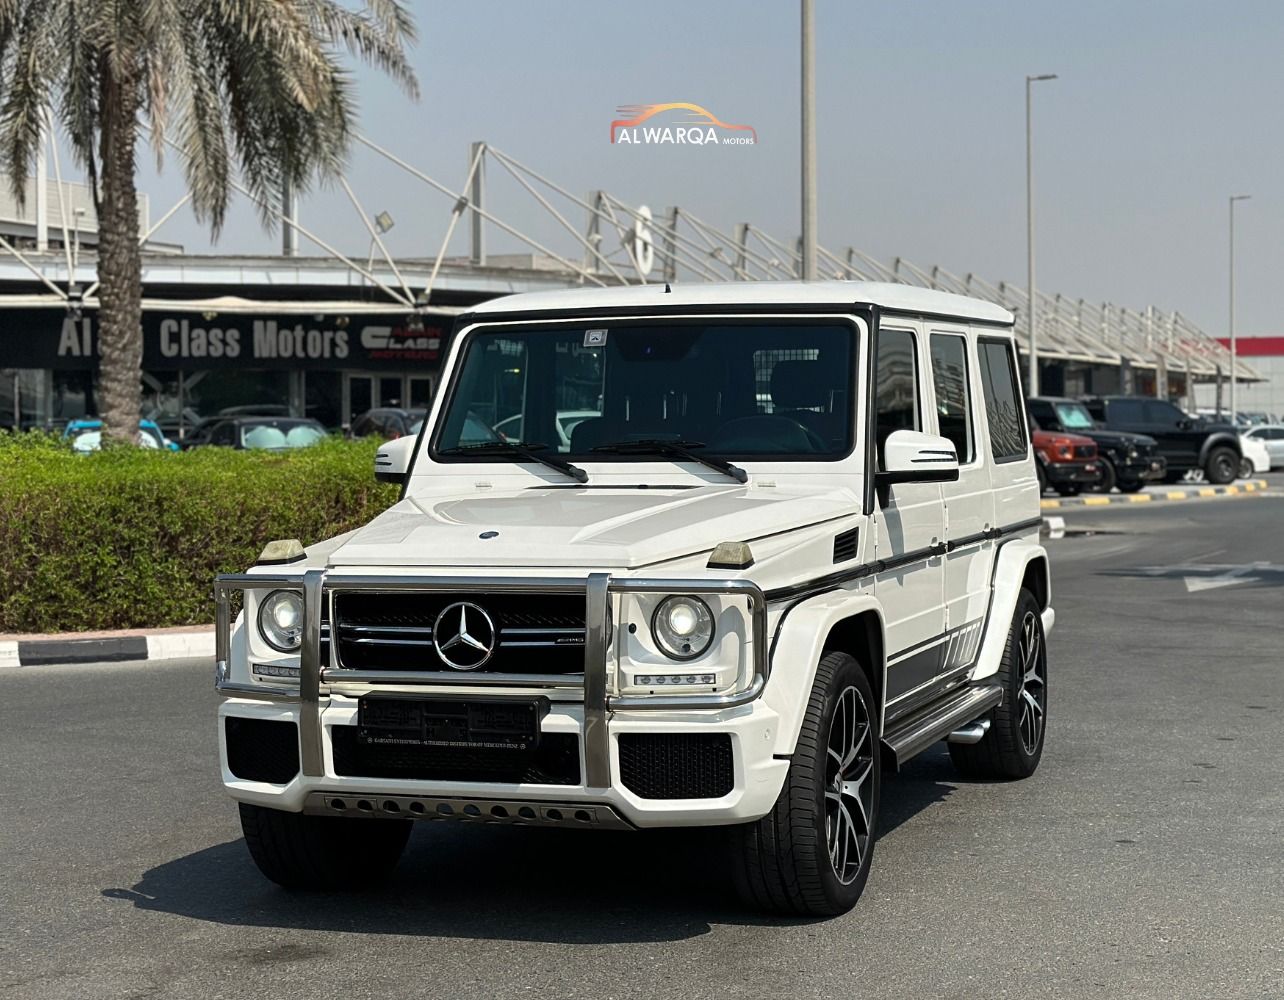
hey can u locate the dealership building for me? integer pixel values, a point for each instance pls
(329, 336)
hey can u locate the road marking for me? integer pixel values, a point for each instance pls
(1241, 574)
(1095, 501)
(1208, 493)
(1232, 490)
(1140, 498)
(1178, 495)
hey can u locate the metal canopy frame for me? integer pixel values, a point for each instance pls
(619, 243)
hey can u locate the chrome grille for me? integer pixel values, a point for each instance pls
(393, 630)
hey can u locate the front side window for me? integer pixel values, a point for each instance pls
(1004, 413)
(953, 393)
(896, 406)
(590, 392)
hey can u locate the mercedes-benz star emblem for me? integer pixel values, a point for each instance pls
(464, 636)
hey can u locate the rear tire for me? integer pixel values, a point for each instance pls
(1013, 746)
(1221, 466)
(322, 852)
(811, 854)
(1245, 468)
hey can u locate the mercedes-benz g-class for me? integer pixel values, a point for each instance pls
(790, 540)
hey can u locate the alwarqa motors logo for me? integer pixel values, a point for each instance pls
(697, 127)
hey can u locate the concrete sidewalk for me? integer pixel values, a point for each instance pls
(1160, 493)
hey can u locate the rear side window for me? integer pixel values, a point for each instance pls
(1127, 411)
(1002, 400)
(953, 393)
(896, 398)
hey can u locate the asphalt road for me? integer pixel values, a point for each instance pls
(1144, 859)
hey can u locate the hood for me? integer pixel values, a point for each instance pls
(583, 526)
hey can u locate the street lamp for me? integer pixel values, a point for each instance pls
(1233, 374)
(1031, 309)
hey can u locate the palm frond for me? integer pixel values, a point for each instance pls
(27, 85)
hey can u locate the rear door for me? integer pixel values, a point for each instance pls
(909, 524)
(969, 502)
(1014, 488)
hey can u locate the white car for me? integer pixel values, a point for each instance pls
(564, 423)
(1256, 456)
(701, 614)
(1272, 437)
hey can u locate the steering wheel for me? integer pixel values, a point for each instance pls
(783, 434)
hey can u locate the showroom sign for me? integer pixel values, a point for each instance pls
(47, 338)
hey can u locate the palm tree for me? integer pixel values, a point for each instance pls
(251, 84)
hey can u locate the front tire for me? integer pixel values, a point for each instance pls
(1136, 487)
(1108, 477)
(1222, 465)
(297, 851)
(811, 854)
(1245, 468)
(1013, 745)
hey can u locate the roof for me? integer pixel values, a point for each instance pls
(1256, 347)
(738, 294)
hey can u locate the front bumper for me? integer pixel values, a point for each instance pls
(1143, 470)
(327, 697)
(1071, 473)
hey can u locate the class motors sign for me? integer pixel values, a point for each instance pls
(676, 124)
(46, 338)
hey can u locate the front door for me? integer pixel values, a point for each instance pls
(908, 524)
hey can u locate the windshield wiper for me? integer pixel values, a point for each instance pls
(675, 448)
(530, 452)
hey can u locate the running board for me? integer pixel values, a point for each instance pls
(910, 736)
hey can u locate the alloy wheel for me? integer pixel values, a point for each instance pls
(1034, 691)
(849, 765)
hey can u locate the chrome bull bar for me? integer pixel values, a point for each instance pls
(317, 680)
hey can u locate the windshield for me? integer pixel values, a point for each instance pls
(1074, 416)
(276, 434)
(728, 389)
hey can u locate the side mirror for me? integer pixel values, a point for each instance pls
(392, 460)
(915, 457)
(1185, 424)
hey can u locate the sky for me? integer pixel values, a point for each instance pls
(1161, 111)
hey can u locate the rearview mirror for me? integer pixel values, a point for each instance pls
(915, 457)
(392, 460)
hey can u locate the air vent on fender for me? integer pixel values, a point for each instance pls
(845, 545)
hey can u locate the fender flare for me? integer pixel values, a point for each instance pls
(796, 651)
(1217, 440)
(1010, 565)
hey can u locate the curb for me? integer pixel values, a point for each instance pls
(1191, 493)
(134, 648)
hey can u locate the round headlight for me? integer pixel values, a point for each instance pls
(281, 620)
(682, 627)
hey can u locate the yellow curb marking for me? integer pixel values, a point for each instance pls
(1208, 493)
(1049, 504)
(1095, 501)
(1140, 498)
(1177, 495)
(1250, 487)
(1231, 490)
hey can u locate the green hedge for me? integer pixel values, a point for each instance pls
(130, 537)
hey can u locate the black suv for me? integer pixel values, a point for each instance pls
(1128, 461)
(1186, 443)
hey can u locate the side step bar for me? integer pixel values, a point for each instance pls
(910, 736)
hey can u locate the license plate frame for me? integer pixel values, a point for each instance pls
(451, 723)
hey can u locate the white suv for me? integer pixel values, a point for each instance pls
(793, 543)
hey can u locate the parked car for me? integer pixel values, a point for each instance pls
(1128, 461)
(1186, 443)
(1066, 462)
(85, 434)
(700, 615)
(266, 433)
(1257, 457)
(1272, 435)
(388, 422)
(200, 431)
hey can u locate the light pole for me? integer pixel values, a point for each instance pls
(1032, 386)
(1234, 379)
(808, 141)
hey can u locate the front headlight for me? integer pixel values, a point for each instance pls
(682, 627)
(281, 620)
(1132, 452)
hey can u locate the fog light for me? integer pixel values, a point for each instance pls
(659, 680)
(274, 670)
